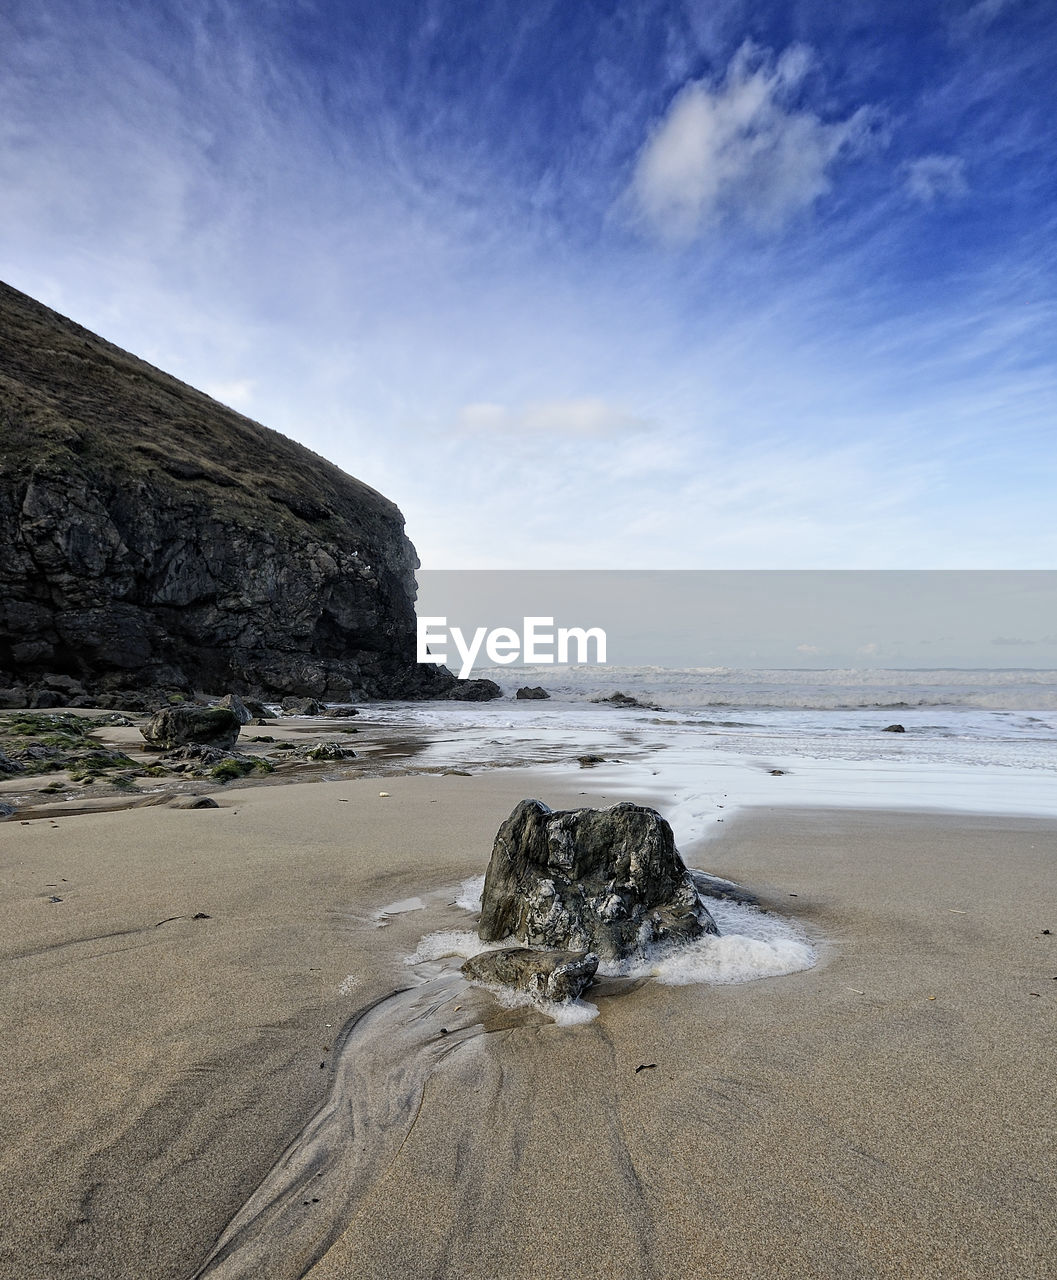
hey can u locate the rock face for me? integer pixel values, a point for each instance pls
(605, 881)
(149, 536)
(547, 975)
(216, 727)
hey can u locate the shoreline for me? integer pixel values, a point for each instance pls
(159, 1064)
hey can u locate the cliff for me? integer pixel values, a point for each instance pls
(151, 537)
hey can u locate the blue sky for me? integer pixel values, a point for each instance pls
(579, 284)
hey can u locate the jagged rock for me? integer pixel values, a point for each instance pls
(204, 726)
(547, 975)
(619, 699)
(589, 761)
(7, 765)
(531, 693)
(474, 691)
(152, 537)
(7, 810)
(257, 710)
(893, 728)
(329, 751)
(234, 703)
(340, 713)
(301, 707)
(608, 881)
(14, 698)
(193, 802)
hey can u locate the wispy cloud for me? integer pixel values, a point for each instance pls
(933, 178)
(742, 148)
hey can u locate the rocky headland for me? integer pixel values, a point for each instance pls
(153, 539)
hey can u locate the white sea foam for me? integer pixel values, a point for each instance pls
(470, 894)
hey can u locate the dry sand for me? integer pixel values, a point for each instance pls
(889, 1113)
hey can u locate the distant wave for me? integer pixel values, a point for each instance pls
(688, 689)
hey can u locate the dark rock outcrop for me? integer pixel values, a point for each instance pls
(893, 728)
(6, 810)
(474, 691)
(531, 693)
(216, 727)
(546, 975)
(151, 538)
(606, 881)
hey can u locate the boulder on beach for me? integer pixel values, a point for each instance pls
(234, 703)
(531, 693)
(474, 691)
(301, 707)
(547, 975)
(605, 881)
(193, 802)
(6, 810)
(893, 728)
(205, 726)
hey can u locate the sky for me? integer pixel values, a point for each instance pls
(579, 285)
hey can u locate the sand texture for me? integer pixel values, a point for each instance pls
(243, 1095)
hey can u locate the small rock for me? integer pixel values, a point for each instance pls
(588, 762)
(330, 751)
(193, 802)
(531, 693)
(893, 728)
(6, 810)
(340, 713)
(546, 975)
(301, 707)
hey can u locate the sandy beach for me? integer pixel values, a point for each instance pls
(175, 1021)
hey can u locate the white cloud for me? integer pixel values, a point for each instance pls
(741, 149)
(586, 416)
(808, 648)
(936, 177)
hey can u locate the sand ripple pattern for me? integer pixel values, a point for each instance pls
(384, 1057)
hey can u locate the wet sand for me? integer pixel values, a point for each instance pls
(887, 1113)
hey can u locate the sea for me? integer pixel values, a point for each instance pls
(708, 742)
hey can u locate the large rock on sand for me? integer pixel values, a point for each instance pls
(171, 727)
(546, 975)
(153, 538)
(605, 881)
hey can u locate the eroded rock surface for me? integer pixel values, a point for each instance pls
(546, 975)
(606, 881)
